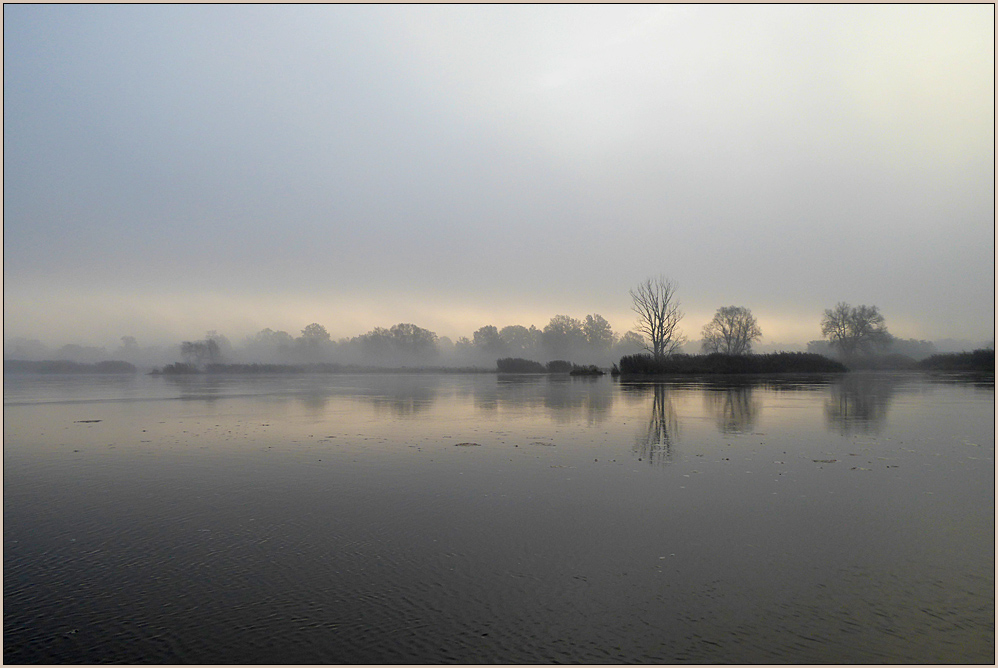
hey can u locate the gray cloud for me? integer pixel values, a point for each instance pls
(468, 164)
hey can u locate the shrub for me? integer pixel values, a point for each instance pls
(180, 368)
(719, 363)
(518, 365)
(559, 366)
(587, 370)
(982, 359)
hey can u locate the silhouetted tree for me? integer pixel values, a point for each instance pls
(376, 344)
(520, 340)
(271, 339)
(599, 335)
(854, 330)
(731, 332)
(488, 341)
(199, 353)
(314, 335)
(563, 336)
(313, 342)
(404, 343)
(413, 343)
(657, 306)
(129, 344)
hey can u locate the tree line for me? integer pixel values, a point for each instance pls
(564, 337)
(850, 333)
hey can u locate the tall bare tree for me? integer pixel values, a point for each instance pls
(732, 331)
(657, 306)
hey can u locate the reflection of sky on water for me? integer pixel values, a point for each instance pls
(850, 403)
(317, 491)
(734, 408)
(859, 403)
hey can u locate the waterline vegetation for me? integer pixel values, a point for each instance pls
(854, 338)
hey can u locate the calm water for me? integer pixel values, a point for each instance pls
(485, 519)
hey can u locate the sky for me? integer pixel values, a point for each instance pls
(172, 169)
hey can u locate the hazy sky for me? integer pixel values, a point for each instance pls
(172, 169)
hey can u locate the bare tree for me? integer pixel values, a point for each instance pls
(197, 353)
(732, 331)
(657, 307)
(854, 329)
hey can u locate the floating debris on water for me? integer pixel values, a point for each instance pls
(468, 444)
(87, 421)
(824, 461)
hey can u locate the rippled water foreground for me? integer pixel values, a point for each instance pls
(484, 519)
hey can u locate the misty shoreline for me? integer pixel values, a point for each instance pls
(980, 360)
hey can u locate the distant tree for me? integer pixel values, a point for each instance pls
(270, 339)
(631, 343)
(819, 347)
(520, 340)
(314, 335)
(270, 345)
(313, 343)
(913, 348)
(732, 331)
(376, 344)
(222, 348)
(19, 348)
(414, 343)
(598, 334)
(657, 306)
(464, 350)
(853, 330)
(199, 353)
(563, 336)
(488, 341)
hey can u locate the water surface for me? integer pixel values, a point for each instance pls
(498, 519)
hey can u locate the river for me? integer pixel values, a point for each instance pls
(482, 518)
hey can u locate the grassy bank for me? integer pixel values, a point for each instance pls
(719, 363)
(982, 359)
(183, 369)
(63, 366)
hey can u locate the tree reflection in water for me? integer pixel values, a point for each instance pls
(571, 398)
(654, 444)
(403, 396)
(733, 407)
(858, 402)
